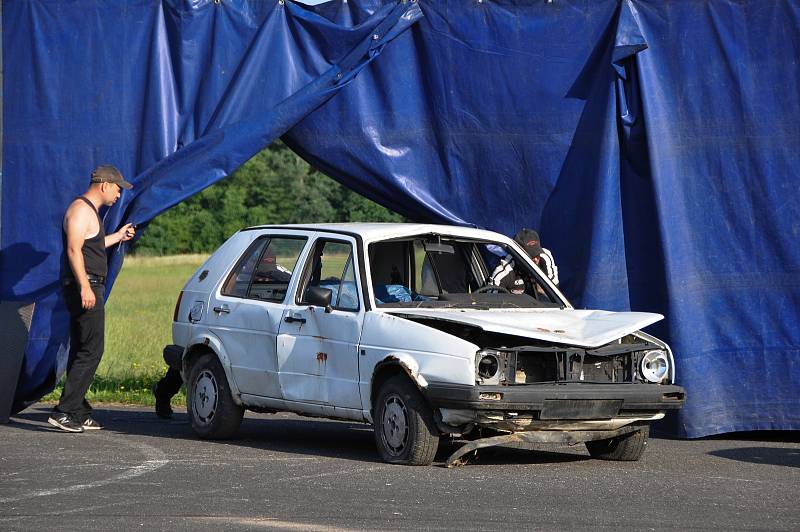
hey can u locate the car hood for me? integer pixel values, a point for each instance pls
(581, 328)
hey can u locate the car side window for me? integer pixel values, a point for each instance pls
(330, 265)
(238, 281)
(265, 269)
(274, 269)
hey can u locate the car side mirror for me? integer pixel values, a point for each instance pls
(319, 297)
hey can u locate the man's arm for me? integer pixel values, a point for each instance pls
(124, 234)
(502, 271)
(76, 224)
(550, 265)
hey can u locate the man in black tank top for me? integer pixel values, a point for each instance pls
(84, 278)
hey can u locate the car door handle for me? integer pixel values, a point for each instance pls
(292, 319)
(224, 309)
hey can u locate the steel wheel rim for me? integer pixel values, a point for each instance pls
(394, 425)
(206, 396)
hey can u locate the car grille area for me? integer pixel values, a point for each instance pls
(616, 363)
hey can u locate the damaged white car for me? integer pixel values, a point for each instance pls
(396, 325)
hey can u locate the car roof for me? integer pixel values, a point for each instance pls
(380, 231)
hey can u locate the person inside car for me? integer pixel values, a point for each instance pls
(507, 276)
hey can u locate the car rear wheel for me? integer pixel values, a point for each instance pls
(627, 448)
(212, 411)
(404, 429)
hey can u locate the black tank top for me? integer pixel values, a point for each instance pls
(94, 249)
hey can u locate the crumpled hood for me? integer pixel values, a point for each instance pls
(581, 328)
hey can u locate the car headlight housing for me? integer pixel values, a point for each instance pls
(489, 366)
(654, 366)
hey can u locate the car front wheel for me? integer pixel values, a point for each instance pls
(404, 429)
(212, 411)
(628, 447)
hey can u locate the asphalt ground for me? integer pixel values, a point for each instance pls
(285, 472)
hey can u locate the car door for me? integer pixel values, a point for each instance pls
(318, 350)
(247, 308)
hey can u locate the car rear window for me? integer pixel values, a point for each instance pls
(264, 270)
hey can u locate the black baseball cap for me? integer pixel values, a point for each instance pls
(529, 239)
(109, 174)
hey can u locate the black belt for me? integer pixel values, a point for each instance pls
(93, 279)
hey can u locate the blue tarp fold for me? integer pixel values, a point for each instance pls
(654, 144)
(191, 91)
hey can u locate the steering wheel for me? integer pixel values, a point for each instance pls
(490, 288)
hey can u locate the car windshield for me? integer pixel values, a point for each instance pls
(437, 271)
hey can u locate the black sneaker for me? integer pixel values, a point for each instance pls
(163, 408)
(64, 422)
(91, 424)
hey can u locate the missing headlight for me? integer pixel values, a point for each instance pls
(490, 366)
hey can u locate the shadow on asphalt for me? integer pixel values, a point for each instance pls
(762, 455)
(785, 436)
(314, 437)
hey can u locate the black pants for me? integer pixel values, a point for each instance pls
(169, 385)
(86, 343)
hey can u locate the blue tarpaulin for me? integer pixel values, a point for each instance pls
(654, 144)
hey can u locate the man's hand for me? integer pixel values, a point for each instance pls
(123, 234)
(88, 298)
(126, 232)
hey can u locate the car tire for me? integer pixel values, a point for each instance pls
(626, 448)
(212, 412)
(405, 432)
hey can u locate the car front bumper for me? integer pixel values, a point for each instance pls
(561, 406)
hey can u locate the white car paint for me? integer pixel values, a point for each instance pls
(318, 358)
(274, 364)
(582, 328)
(427, 354)
(203, 336)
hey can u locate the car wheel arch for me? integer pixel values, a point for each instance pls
(206, 344)
(395, 364)
(194, 352)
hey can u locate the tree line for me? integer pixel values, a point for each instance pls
(274, 187)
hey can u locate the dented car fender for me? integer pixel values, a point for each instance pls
(211, 341)
(428, 355)
(405, 361)
(400, 360)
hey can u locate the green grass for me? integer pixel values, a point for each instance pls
(138, 326)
